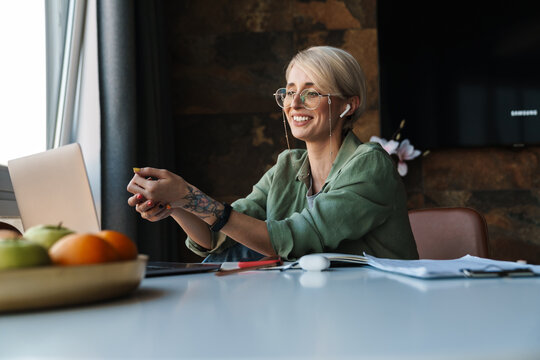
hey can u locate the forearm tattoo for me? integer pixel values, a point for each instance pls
(201, 204)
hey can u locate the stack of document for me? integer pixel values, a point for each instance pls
(470, 266)
(467, 266)
(337, 258)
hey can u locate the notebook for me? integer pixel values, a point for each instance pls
(52, 187)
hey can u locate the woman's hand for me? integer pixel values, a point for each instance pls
(148, 209)
(155, 192)
(158, 185)
(160, 193)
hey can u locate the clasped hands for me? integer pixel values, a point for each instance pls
(156, 193)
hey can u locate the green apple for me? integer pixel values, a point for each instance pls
(46, 235)
(18, 252)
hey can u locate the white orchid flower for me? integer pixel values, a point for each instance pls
(389, 146)
(405, 151)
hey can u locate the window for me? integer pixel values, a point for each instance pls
(22, 88)
(23, 74)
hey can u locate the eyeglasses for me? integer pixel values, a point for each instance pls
(310, 98)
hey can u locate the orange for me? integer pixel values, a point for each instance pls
(123, 245)
(78, 249)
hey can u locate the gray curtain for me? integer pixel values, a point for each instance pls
(136, 118)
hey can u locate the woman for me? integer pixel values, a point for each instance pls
(339, 195)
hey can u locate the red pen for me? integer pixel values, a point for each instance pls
(245, 264)
(251, 265)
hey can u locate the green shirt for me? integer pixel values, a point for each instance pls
(360, 208)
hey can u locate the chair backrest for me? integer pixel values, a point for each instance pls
(449, 233)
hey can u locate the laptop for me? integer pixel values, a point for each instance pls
(52, 187)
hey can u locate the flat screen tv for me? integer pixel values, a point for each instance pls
(463, 73)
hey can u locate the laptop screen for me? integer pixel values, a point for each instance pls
(52, 187)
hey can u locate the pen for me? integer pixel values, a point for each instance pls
(246, 264)
(250, 265)
(519, 272)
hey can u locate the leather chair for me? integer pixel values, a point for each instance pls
(449, 233)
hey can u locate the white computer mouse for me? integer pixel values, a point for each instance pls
(314, 262)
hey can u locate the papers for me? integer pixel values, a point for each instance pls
(346, 258)
(467, 266)
(431, 269)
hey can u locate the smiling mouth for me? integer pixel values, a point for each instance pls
(301, 118)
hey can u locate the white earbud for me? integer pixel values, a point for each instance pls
(346, 110)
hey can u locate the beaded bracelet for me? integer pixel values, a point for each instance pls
(222, 220)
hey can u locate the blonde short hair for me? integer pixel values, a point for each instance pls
(334, 71)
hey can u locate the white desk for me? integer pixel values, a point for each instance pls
(340, 314)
